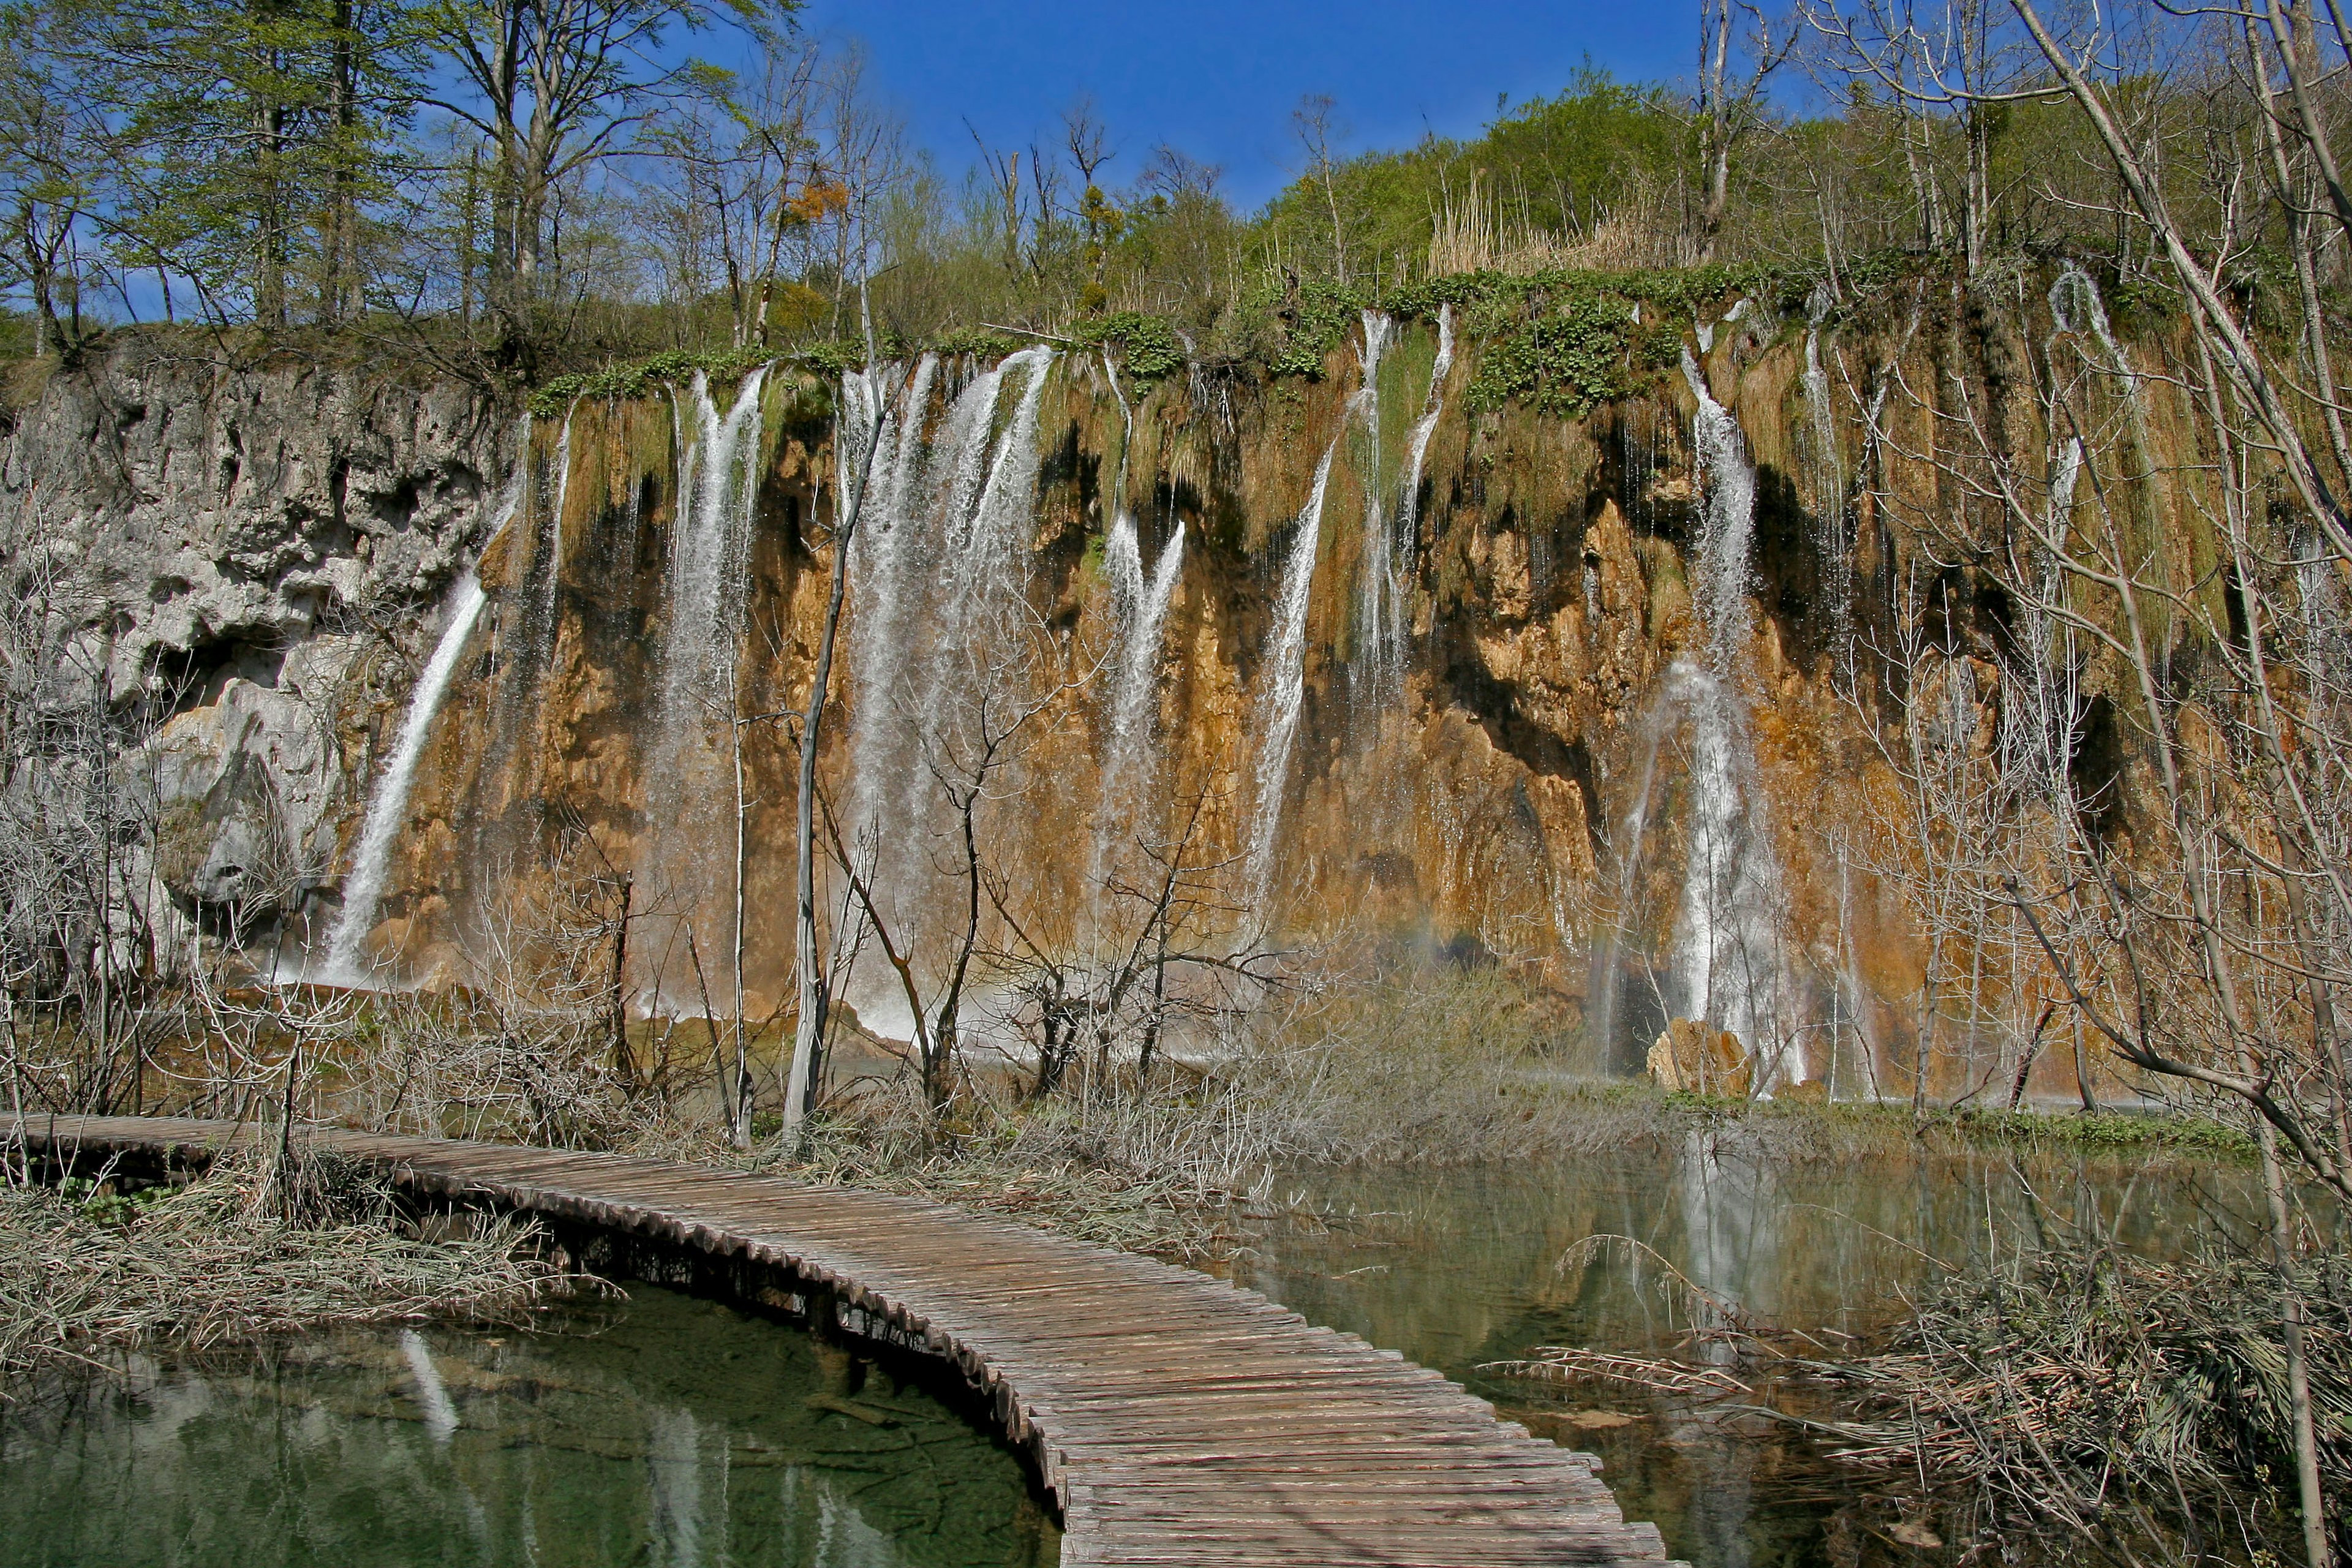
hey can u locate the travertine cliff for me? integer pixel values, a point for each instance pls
(1492, 762)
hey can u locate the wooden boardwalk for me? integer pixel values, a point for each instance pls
(1175, 1419)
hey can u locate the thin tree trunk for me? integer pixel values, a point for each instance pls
(808, 1033)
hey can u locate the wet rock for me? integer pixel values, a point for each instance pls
(1692, 1059)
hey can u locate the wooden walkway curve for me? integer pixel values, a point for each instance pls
(1176, 1419)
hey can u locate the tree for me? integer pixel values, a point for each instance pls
(1731, 105)
(551, 86)
(1312, 122)
(55, 149)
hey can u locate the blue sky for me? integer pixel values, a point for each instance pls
(1218, 79)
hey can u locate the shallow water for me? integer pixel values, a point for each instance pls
(1461, 1268)
(662, 1431)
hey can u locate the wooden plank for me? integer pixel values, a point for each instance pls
(1179, 1421)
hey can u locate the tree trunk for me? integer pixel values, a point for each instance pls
(808, 1032)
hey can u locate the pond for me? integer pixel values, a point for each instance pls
(1463, 1268)
(659, 1430)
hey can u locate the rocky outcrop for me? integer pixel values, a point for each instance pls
(244, 552)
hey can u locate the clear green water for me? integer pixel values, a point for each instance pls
(1459, 1268)
(662, 1431)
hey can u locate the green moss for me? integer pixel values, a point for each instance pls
(1313, 317)
(977, 341)
(1149, 346)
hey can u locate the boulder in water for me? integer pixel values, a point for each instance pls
(1693, 1058)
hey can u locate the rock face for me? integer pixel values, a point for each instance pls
(243, 553)
(260, 557)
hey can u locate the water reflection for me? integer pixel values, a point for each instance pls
(1459, 1268)
(670, 1432)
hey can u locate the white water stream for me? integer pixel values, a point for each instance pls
(387, 810)
(717, 476)
(1727, 956)
(1281, 689)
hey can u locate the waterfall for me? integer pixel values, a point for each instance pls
(552, 573)
(1282, 684)
(940, 550)
(2075, 307)
(1409, 506)
(1829, 479)
(388, 807)
(1129, 762)
(983, 537)
(1391, 543)
(718, 479)
(999, 527)
(884, 554)
(1376, 572)
(1726, 952)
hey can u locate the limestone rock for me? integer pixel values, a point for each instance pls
(1692, 1059)
(245, 789)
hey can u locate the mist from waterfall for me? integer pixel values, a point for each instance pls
(1727, 955)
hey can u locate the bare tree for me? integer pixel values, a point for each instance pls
(1739, 48)
(1314, 124)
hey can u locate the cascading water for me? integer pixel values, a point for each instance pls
(1828, 472)
(1408, 540)
(1726, 946)
(983, 538)
(388, 808)
(1376, 570)
(2075, 307)
(718, 479)
(889, 539)
(941, 544)
(552, 570)
(1283, 691)
(1129, 762)
(692, 768)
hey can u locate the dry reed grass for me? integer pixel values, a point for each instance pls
(2103, 1393)
(86, 1272)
